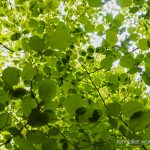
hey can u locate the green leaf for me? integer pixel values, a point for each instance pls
(146, 77)
(123, 130)
(37, 118)
(143, 44)
(61, 38)
(80, 111)
(14, 131)
(127, 61)
(146, 134)
(139, 120)
(53, 131)
(50, 144)
(28, 72)
(134, 37)
(113, 122)
(95, 116)
(2, 107)
(111, 37)
(113, 79)
(23, 143)
(131, 107)
(16, 36)
(113, 109)
(124, 3)
(123, 77)
(28, 104)
(90, 50)
(138, 2)
(100, 28)
(36, 136)
(25, 44)
(11, 76)
(107, 62)
(36, 43)
(119, 19)
(19, 92)
(72, 103)
(4, 98)
(94, 3)
(47, 69)
(134, 9)
(47, 89)
(5, 120)
(51, 116)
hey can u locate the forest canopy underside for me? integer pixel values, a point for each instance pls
(74, 74)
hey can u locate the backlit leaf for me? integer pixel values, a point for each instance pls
(139, 120)
(28, 72)
(124, 3)
(11, 76)
(127, 61)
(36, 43)
(143, 44)
(5, 119)
(111, 37)
(47, 89)
(60, 39)
(107, 62)
(72, 103)
(94, 3)
(36, 136)
(113, 109)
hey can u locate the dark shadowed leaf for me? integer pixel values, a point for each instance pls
(37, 118)
(50, 144)
(36, 136)
(16, 36)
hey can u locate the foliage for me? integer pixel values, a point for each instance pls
(59, 89)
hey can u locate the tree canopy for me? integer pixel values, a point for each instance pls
(74, 74)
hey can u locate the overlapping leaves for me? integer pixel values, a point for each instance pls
(60, 91)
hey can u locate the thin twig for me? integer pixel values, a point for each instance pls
(7, 141)
(95, 70)
(94, 85)
(130, 130)
(123, 121)
(6, 47)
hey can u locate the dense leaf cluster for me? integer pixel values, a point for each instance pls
(59, 90)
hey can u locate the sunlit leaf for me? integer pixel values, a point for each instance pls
(60, 39)
(124, 3)
(94, 3)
